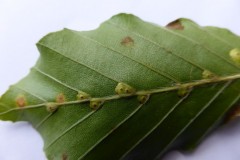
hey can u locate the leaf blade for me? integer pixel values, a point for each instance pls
(154, 60)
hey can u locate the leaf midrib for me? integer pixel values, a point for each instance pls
(141, 92)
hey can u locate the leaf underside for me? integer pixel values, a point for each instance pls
(186, 69)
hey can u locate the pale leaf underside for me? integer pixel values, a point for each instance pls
(187, 71)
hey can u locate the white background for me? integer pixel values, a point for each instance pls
(23, 23)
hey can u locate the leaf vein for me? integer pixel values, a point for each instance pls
(32, 94)
(195, 117)
(70, 128)
(164, 74)
(151, 130)
(210, 127)
(156, 44)
(218, 38)
(111, 131)
(213, 52)
(54, 79)
(77, 62)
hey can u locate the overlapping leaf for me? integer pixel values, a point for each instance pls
(191, 74)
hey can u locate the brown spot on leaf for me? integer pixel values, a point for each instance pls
(233, 113)
(64, 156)
(60, 98)
(127, 41)
(21, 101)
(176, 25)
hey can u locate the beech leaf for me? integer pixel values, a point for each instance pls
(129, 89)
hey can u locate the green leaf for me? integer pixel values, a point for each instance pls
(129, 89)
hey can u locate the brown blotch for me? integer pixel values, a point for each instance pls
(233, 113)
(127, 41)
(60, 98)
(176, 25)
(21, 101)
(64, 156)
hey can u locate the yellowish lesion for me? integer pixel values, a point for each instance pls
(21, 101)
(206, 74)
(60, 98)
(235, 55)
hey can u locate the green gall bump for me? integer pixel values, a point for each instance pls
(184, 91)
(96, 104)
(51, 107)
(142, 99)
(82, 95)
(206, 74)
(235, 55)
(123, 88)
